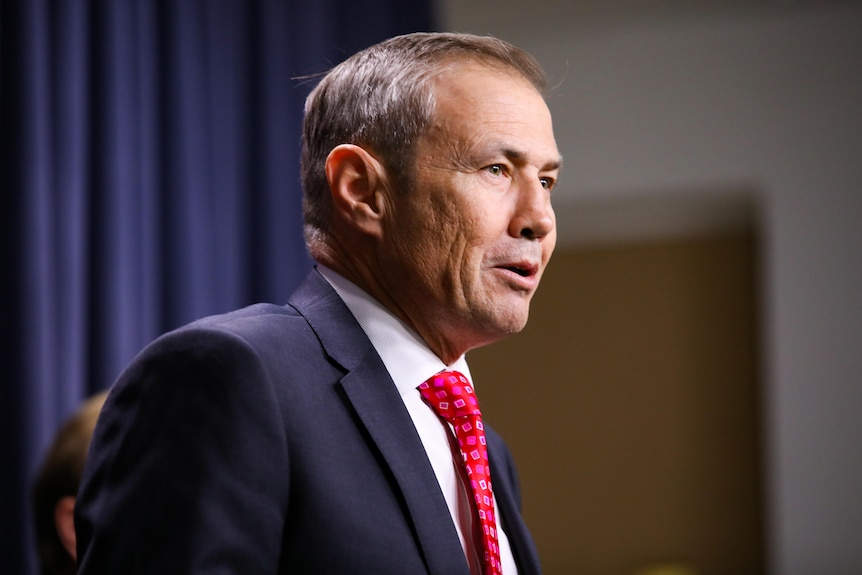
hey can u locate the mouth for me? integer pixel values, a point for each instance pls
(524, 269)
(524, 272)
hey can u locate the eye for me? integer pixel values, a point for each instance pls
(495, 170)
(547, 183)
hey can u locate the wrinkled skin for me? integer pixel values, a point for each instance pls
(458, 255)
(465, 248)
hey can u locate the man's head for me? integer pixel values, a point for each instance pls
(56, 486)
(427, 165)
(383, 99)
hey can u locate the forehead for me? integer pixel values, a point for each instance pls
(477, 104)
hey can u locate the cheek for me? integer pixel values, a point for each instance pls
(434, 249)
(449, 228)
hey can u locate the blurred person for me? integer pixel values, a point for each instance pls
(56, 485)
(340, 433)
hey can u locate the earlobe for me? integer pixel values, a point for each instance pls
(64, 520)
(356, 183)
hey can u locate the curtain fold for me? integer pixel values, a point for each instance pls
(150, 176)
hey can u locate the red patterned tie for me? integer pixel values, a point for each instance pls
(450, 394)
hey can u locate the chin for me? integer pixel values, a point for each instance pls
(508, 325)
(490, 323)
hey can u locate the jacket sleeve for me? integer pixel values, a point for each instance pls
(187, 471)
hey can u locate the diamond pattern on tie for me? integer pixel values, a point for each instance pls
(451, 396)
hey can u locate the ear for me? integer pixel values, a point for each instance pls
(357, 182)
(64, 520)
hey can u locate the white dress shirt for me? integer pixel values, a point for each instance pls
(409, 362)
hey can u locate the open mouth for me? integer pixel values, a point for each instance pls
(520, 271)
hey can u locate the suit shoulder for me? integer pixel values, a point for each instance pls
(250, 327)
(246, 321)
(251, 312)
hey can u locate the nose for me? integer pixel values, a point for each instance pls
(534, 216)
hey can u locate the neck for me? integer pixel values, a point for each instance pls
(356, 269)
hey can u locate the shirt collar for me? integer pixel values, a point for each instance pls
(407, 358)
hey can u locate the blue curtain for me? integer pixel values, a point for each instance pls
(149, 177)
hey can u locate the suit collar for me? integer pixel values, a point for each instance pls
(336, 328)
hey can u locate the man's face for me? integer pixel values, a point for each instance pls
(467, 244)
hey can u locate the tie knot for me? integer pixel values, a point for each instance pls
(451, 395)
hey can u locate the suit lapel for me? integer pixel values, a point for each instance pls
(378, 406)
(507, 495)
(390, 427)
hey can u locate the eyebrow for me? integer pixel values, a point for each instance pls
(519, 157)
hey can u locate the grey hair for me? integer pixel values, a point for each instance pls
(382, 99)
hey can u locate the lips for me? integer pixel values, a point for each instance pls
(523, 270)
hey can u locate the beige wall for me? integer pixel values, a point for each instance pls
(648, 451)
(703, 98)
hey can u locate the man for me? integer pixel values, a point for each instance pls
(294, 439)
(56, 485)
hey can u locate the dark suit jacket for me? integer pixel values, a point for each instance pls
(271, 440)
